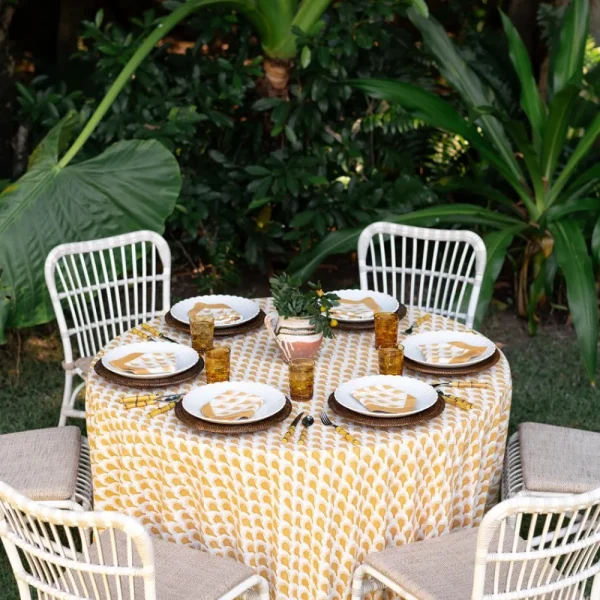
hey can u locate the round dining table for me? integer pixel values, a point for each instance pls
(303, 515)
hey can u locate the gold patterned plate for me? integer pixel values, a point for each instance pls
(454, 372)
(367, 325)
(149, 383)
(237, 428)
(384, 422)
(255, 323)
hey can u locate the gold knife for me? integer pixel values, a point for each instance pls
(291, 429)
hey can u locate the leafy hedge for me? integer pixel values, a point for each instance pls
(263, 178)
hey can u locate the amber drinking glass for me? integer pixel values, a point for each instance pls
(202, 329)
(391, 361)
(386, 330)
(217, 364)
(302, 379)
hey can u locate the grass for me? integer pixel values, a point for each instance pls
(549, 386)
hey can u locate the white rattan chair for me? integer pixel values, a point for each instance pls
(50, 465)
(101, 288)
(50, 552)
(493, 562)
(436, 270)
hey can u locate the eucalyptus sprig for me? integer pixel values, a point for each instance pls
(290, 301)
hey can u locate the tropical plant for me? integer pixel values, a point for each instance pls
(547, 198)
(290, 301)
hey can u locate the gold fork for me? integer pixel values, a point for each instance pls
(349, 437)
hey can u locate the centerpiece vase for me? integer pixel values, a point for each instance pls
(295, 336)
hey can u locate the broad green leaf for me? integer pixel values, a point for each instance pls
(576, 266)
(434, 111)
(585, 183)
(555, 131)
(596, 242)
(338, 242)
(530, 97)
(567, 64)
(477, 188)
(530, 158)
(132, 185)
(578, 155)
(554, 213)
(497, 244)
(305, 57)
(467, 83)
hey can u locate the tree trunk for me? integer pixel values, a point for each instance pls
(276, 81)
(7, 68)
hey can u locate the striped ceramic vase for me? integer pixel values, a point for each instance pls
(295, 336)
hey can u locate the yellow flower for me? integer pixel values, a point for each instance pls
(333, 323)
(320, 293)
(323, 309)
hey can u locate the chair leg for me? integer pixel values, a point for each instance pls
(68, 391)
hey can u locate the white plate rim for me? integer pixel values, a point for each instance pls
(252, 306)
(149, 347)
(364, 293)
(441, 336)
(280, 400)
(391, 379)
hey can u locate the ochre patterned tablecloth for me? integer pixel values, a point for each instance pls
(303, 516)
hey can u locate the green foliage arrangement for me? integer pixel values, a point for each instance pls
(290, 301)
(264, 178)
(546, 200)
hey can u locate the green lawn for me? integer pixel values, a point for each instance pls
(549, 380)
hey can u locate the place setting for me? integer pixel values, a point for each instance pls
(356, 309)
(232, 315)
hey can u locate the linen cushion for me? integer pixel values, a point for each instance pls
(181, 573)
(558, 459)
(41, 464)
(440, 568)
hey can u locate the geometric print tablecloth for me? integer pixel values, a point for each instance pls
(304, 516)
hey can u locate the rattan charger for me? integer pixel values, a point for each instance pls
(384, 422)
(251, 325)
(238, 428)
(367, 325)
(453, 372)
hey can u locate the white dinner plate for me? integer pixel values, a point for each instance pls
(411, 346)
(274, 400)
(425, 395)
(248, 309)
(185, 357)
(386, 302)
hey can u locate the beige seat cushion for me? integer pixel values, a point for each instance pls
(559, 460)
(182, 573)
(41, 464)
(441, 568)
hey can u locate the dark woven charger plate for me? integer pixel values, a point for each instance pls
(251, 325)
(458, 371)
(385, 422)
(206, 427)
(149, 383)
(367, 325)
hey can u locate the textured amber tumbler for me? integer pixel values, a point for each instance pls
(302, 379)
(217, 364)
(391, 361)
(386, 330)
(202, 329)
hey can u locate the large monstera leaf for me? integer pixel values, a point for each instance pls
(133, 185)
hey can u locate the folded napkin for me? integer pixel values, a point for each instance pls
(385, 398)
(356, 309)
(232, 406)
(147, 363)
(450, 353)
(223, 313)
